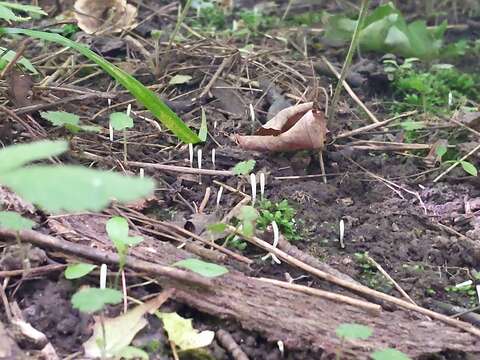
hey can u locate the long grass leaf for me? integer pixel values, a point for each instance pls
(144, 95)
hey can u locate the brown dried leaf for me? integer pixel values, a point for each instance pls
(20, 86)
(105, 16)
(297, 127)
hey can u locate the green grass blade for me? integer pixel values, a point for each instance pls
(144, 95)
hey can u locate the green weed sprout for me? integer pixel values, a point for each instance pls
(121, 122)
(117, 230)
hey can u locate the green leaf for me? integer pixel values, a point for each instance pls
(202, 133)
(248, 228)
(202, 267)
(385, 30)
(76, 271)
(469, 168)
(145, 96)
(61, 118)
(244, 167)
(248, 213)
(117, 333)
(8, 55)
(217, 228)
(121, 121)
(91, 300)
(13, 221)
(32, 9)
(74, 188)
(440, 151)
(15, 156)
(389, 354)
(117, 230)
(9, 15)
(412, 125)
(181, 332)
(179, 79)
(131, 352)
(353, 331)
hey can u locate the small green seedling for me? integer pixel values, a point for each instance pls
(351, 332)
(467, 166)
(248, 217)
(77, 271)
(244, 167)
(120, 121)
(69, 121)
(91, 300)
(203, 268)
(117, 230)
(283, 214)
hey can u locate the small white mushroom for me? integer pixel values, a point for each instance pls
(253, 183)
(219, 196)
(103, 276)
(213, 158)
(262, 185)
(341, 233)
(190, 154)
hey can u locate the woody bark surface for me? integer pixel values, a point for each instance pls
(301, 321)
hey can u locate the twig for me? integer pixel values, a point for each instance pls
(373, 126)
(229, 343)
(172, 168)
(106, 257)
(365, 305)
(33, 271)
(204, 202)
(214, 78)
(352, 286)
(384, 273)
(350, 92)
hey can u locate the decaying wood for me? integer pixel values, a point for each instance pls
(107, 257)
(301, 321)
(8, 347)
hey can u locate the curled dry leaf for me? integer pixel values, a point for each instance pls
(105, 16)
(298, 127)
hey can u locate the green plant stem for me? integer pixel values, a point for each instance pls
(348, 59)
(179, 22)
